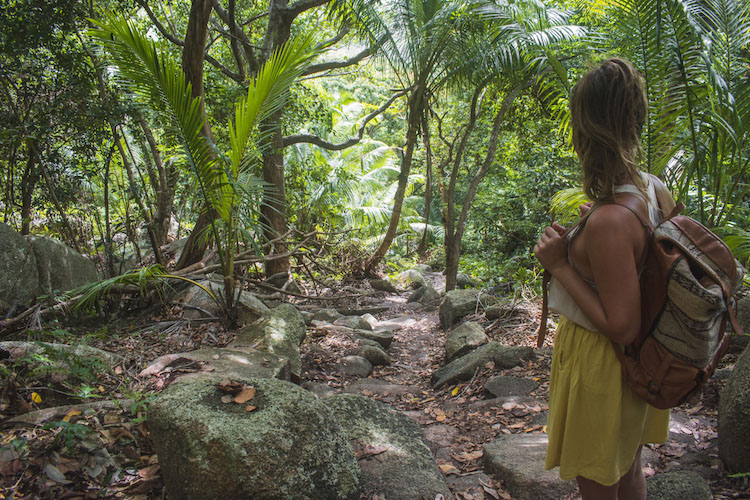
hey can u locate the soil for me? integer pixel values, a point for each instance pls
(106, 452)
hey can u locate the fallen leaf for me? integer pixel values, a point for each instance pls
(226, 399)
(70, 414)
(509, 406)
(148, 472)
(36, 398)
(449, 469)
(250, 408)
(370, 451)
(491, 492)
(367, 393)
(245, 395)
(55, 475)
(118, 370)
(441, 417)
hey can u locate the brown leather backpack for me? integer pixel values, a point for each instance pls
(687, 284)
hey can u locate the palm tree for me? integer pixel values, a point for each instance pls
(432, 43)
(693, 56)
(694, 61)
(224, 180)
(414, 37)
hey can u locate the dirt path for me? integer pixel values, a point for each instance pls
(459, 420)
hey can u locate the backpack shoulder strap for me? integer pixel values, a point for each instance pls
(547, 276)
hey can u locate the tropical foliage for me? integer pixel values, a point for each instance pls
(431, 128)
(224, 180)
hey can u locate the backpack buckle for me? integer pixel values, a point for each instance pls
(654, 387)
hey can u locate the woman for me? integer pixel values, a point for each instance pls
(596, 424)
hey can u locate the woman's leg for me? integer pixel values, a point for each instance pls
(591, 490)
(633, 484)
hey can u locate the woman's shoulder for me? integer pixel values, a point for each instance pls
(613, 218)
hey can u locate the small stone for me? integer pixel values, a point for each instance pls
(356, 366)
(375, 355)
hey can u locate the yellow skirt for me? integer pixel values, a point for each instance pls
(596, 423)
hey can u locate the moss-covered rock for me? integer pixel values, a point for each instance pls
(289, 447)
(280, 332)
(734, 417)
(678, 485)
(463, 368)
(60, 268)
(403, 467)
(19, 277)
(424, 295)
(464, 339)
(412, 278)
(459, 303)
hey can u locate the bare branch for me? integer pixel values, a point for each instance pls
(313, 139)
(301, 6)
(317, 68)
(160, 27)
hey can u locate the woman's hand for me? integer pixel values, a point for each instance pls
(582, 209)
(552, 250)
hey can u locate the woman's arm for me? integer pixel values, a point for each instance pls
(613, 239)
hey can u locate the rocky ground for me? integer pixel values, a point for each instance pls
(103, 449)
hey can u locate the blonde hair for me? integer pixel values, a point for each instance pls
(608, 108)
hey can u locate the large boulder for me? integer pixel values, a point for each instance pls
(19, 276)
(283, 281)
(518, 459)
(60, 267)
(463, 368)
(424, 295)
(354, 322)
(734, 417)
(678, 485)
(464, 339)
(459, 303)
(394, 456)
(280, 332)
(384, 285)
(199, 304)
(743, 314)
(412, 278)
(290, 446)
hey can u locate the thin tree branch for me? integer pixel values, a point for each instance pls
(313, 139)
(317, 68)
(160, 27)
(301, 6)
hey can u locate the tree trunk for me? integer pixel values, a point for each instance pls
(28, 183)
(452, 257)
(454, 236)
(192, 65)
(139, 201)
(107, 221)
(428, 185)
(403, 180)
(164, 186)
(273, 209)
